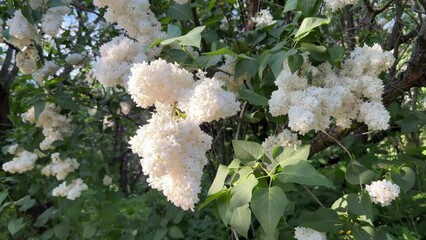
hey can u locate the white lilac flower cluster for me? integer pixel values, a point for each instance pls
(21, 31)
(107, 180)
(26, 60)
(53, 18)
(226, 73)
(22, 162)
(55, 126)
(119, 55)
(383, 192)
(303, 233)
(335, 5)
(48, 69)
(284, 139)
(263, 18)
(174, 157)
(60, 168)
(313, 95)
(71, 191)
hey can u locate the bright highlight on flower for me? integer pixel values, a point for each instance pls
(383, 192)
(303, 233)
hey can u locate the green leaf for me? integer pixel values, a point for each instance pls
(223, 203)
(211, 198)
(3, 196)
(173, 31)
(55, 3)
(404, 177)
(212, 3)
(62, 230)
(360, 204)
(247, 151)
(89, 230)
(192, 38)
(357, 174)
(252, 97)
(242, 192)
(219, 180)
(175, 232)
(323, 220)
(180, 12)
(268, 205)
(336, 53)
(25, 203)
(15, 225)
(295, 62)
(65, 101)
(307, 7)
(303, 173)
(309, 47)
(290, 5)
(291, 156)
(308, 25)
(275, 61)
(362, 233)
(44, 217)
(250, 66)
(38, 108)
(241, 219)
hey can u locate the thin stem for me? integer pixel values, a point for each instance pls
(313, 196)
(340, 144)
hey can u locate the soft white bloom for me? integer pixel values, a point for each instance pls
(125, 107)
(13, 149)
(21, 30)
(209, 102)
(174, 157)
(181, 1)
(55, 126)
(284, 139)
(78, 59)
(263, 18)
(375, 115)
(53, 18)
(335, 5)
(424, 102)
(353, 92)
(382, 192)
(71, 191)
(135, 17)
(22, 162)
(117, 57)
(107, 181)
(303, 233)
(160, 82)
(26, 60)
(60, 168)
(48, 69)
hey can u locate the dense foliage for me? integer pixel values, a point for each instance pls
(213, 119)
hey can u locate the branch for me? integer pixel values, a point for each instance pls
(414, 76)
